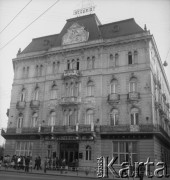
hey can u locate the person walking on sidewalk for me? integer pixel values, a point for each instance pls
(141, 171)
(45, 164)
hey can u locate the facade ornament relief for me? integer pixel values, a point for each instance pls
(75, 34)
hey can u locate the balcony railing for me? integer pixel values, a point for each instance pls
(70, 100)
(84, 129)
(133, 96)
(113, 98)
(35, 104)
(117, 128)
(71, 73)
(20, 105)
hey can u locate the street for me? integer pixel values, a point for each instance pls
(22, 176)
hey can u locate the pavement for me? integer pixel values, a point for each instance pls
(54, 172)
(69, 173)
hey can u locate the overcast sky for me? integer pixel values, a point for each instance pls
(154, 13)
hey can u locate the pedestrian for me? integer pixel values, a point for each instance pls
(45, 164)
(27, 161)
(31, 164)
(141, 171)
(36, 163)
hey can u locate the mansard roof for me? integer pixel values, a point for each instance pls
(92, 25)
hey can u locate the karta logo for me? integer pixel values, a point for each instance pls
(127, 170)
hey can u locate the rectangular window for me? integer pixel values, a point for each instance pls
(126, 151)
(23, 148)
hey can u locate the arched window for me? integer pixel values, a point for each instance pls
(41, 70)
(54, 92)
(71, 89)
(116, 59)
(22, 96)
(58, 66)
(73, 64)
(52, 118)
(69, 119)
(78, 64)
(54, 67)
(130, 58)
(67, 90)
(88, 153)
(111, 60)
(113, 86)
(134, 116)
(93, 62)
(90, 88)
(88, 63)
(68, 64)
(89, 116)
(37, 70)
(114, 117)
(135, 56)
(27, 73)
(77, 89)
(20, 121)
(36, 94)
(111, 56)
(133, 85)
(23, 72)
(34, 120)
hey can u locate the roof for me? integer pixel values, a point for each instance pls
(92, 25)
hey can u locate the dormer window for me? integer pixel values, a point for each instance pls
(115, 28)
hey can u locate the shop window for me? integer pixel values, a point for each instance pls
(126, 151)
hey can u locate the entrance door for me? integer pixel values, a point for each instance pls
(69, 152)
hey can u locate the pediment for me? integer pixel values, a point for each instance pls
(75, 34)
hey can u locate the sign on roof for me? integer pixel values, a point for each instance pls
(86, 10)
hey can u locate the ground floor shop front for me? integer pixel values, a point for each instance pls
(128, 148)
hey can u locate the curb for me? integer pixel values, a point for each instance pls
(48, 174)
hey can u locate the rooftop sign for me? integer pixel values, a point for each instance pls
(84, 10)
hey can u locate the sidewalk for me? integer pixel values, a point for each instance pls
(74, 174)
(54, 172)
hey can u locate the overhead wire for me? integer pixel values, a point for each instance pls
(29, 25)
(15, 16)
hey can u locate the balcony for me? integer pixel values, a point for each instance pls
(83, 129)
(134, 128)
(66, 129)
(113, 98)
(18, 131)
(71, 73)
(35, 104)
(20, 104)
(114, 129)
(70, 100)
(133, 96)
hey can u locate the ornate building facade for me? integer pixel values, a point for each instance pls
(92, 90)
